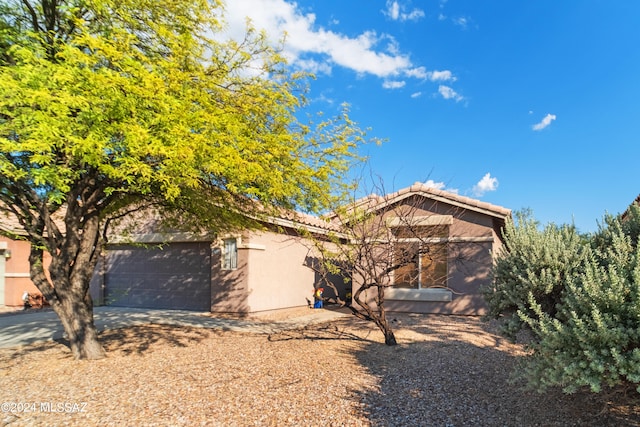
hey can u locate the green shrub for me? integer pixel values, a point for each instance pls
(594, 339)
(580, 298)
(533, 264)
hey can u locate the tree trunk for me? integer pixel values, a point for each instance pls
(389, 337)
(383, 324)
(67, 287)
(377, 316)
(76, 315)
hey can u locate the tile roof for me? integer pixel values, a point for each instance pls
(298, 219)
(328, 223)
(9, 222)
(626, 212)
(374, 202)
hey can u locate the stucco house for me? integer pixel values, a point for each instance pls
(268, 269)
(247, 272)
(462, 235)
(14, 264)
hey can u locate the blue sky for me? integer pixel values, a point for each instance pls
(524, 104)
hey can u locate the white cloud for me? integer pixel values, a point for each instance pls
(546, 121)
(449, 93)
(365, 53)
(417, 72)
(313, 66)
(440, 186)
(434, 76)
(393, 10)
(487, 183)
(440, 76)
(437, 185)
(397, 12)
(389, 84)
(416, 94)
(462, 22)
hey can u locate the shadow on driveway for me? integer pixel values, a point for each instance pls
(27, 327)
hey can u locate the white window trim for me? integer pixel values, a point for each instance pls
(424, 294)
(223, 258)
(255, 246)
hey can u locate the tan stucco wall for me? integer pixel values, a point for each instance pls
(277, 275)
(229, 288)
(469, 269)
(469, 263)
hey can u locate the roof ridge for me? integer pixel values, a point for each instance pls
(419, 187)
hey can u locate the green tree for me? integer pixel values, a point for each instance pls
(108, 106)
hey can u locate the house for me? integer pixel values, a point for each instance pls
(440, 249)
(252, 271)
(268, 269)
(14, 264)
(625, 214)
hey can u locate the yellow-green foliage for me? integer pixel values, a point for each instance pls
(140, 99)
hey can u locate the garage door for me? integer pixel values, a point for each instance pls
(175, 276)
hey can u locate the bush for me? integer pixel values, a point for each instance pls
(594, 339)
(533, 264)
(581, 301)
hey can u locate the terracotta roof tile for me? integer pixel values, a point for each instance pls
(328, 223)
(10, 224)
(374, 202)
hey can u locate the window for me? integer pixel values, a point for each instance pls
(230, 254)
(421, 253)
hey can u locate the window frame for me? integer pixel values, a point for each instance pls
(436, 231)
(418, 269)
(229, 257)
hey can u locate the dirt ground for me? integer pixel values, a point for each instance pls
(446, 371)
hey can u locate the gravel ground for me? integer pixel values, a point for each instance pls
(446, 371)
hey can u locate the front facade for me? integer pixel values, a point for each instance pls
(269, 269)
(447, 243)
(248, 272)
(253, 272)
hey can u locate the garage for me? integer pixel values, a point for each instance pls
(173, 276)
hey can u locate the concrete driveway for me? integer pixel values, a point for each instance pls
(32, 326)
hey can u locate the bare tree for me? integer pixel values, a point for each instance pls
(384, 242)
